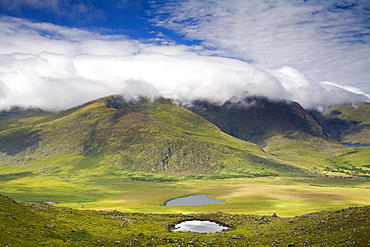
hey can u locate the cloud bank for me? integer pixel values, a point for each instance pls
(55, 68)
(327, 40)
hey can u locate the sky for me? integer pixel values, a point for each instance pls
(56, 54)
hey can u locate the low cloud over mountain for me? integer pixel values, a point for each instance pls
(54, 67)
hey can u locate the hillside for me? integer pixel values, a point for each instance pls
(115, 137)
(111, 135)
(256, 118)
(290, 133)
(35, 224)
(347, 123)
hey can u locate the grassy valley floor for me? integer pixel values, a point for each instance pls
(285, 196)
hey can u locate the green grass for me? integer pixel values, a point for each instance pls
(320, 156)
(282, 195)
(30, 224)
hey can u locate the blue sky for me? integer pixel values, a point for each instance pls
(126, 17)
(315, 52)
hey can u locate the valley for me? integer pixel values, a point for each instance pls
(116, 155)
(285, 196)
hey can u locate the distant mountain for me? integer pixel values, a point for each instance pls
(347, 123)
(256, 119)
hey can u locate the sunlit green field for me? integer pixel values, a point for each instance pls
(260, 196)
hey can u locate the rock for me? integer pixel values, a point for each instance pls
(11, 216)
(264, 219)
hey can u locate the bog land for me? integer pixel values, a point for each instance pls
(285, 196)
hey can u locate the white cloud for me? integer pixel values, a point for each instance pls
(73, 66)
(327, 40)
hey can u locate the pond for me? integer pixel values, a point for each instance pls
(200, 226)
(355, 145)
(192, 200)
(45, 202)
(49, 203)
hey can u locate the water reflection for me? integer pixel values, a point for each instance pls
(355, 145)
(192, 200)
(199, 226)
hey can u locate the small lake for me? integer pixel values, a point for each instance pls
(49, 203)
(199, 226)
(192, 200)
(355, 145)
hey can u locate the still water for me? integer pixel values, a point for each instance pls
(192, 200)
(200, 226)
(355, 145)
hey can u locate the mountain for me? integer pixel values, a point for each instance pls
(256, 119)
(112, 135)
(347, 123)
(305, 138)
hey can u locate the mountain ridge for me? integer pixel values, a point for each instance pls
(154, 137)
(257, 118)
(160, 137)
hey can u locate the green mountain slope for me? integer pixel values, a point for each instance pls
(256, 118)
(111, 135)
(290, 133)
(347, 123)
(34, 224)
